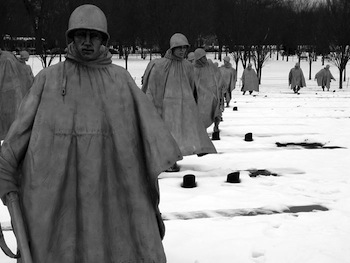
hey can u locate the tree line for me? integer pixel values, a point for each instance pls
(247, 29)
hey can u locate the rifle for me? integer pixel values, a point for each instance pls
(12, 202)
(4, 246)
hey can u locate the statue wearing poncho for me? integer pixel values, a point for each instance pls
(169, 83)
(89, 146)
(14, 84)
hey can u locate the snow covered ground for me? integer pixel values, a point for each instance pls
(252, 221)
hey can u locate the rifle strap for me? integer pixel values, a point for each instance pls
(5, 248)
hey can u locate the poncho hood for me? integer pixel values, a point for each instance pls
(104, 58)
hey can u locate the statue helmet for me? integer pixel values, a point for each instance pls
(190, 56)
(199, 53)
(87, 17)
(24, 55)
(178, 40)
(227, 59)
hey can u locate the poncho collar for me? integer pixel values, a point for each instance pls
(104, 58)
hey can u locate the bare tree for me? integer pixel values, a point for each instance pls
(339, 21)
(49, 21)
(306, 13)
(340, 56)
(260, 54)
(246, 55)
(236, 51)
(259, 20)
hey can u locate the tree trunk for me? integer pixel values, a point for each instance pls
(38, 42)
(310, 64)
(259, 64)
(121, 52)
(259, 74)
(126, 56)
(340, 78)
(220, 51)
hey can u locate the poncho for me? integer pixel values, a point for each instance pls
(209, 86)
(14, 84)
(90, 146)
(250, 80)
(29, 71)
(296, 78)
(229, 79)
(324, 77)
(171, 88)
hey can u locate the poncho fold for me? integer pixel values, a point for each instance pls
(89, 160)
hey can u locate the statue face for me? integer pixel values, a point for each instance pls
(88, 43)
(180, 52)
